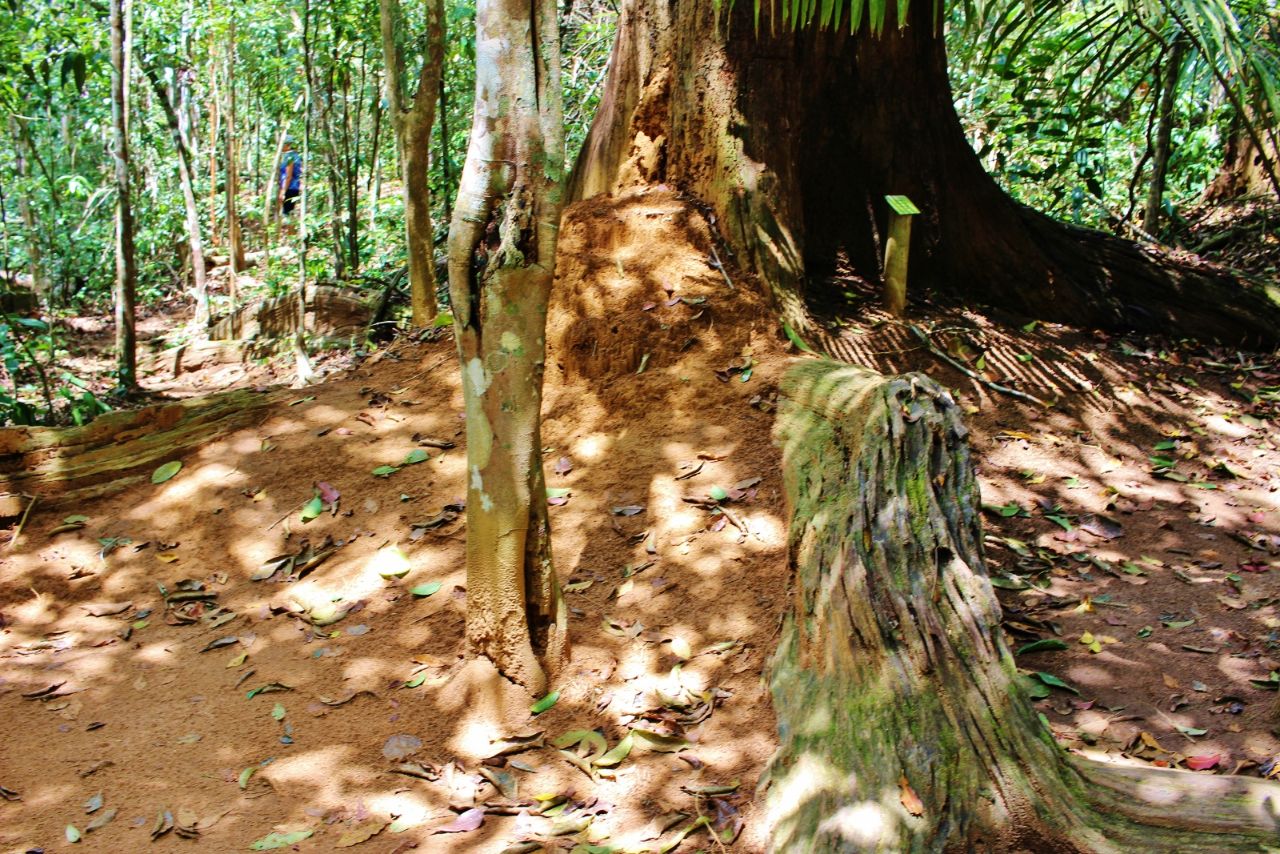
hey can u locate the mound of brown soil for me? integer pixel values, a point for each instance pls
(132, 645)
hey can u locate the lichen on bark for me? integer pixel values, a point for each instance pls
(892, 679)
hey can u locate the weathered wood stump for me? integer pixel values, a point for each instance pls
(331, 313)
(903, 724)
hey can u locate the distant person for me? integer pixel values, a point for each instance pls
(290, 179)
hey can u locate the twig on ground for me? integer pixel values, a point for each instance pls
(719, 265)
(972, 374)
(22, 523)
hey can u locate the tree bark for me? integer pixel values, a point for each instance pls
(904, 723)
(794, 138)
(235, 246)
(1164, 134)
(412, 123)
(30, 226)
(186, 179)
(121, 15)
(502, 244)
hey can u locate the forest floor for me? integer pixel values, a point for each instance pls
(193, 658)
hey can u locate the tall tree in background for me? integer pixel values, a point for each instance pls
(174, 118)
(502, 246)
(235, 245)
(126, 265)
(412, 120)
(794, 136)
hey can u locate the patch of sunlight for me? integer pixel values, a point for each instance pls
(40, 608)
(866, 825)
(1218, 424)
(592, 448)
(189, 483)
(157, 653)
(409, 808)
(809, 778)
(767, 529)
(318, 768)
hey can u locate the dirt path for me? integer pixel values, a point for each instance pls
(672, 609)
(660, 382)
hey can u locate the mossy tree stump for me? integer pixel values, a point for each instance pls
(903, 724)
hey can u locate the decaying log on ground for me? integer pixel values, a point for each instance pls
(904, 726)
(116, 450)
(331, 312)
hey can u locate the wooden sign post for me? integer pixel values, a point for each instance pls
(896, 249)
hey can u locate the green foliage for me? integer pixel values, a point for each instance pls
(1061, 99)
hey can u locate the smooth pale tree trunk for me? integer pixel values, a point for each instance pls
(412, 121)
(186, 180)
(795, 138)
(235, 246)
(374, 186)
(126, 265)
(271, 192)
(30, 225)
(502, 244)
(215, 126)
(1164, 135)
(305, 372)
(904, 724)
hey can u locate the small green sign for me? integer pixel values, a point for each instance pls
(902, 205)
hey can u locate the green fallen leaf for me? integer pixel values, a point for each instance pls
(717, 493)
(619, 752)
(1190, 730)
(385, 471)
(424, 590)
(444, 318)
(280, 840)
(1042, 645)
(416, 680)
(278, 711)
(312, 508)
(545, 703)
(557, 492)
(1053, 681)
(247, 773)
(73, 834)
(417, 455)
(166, 471)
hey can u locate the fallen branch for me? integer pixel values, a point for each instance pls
(974, 375)
(22, 523)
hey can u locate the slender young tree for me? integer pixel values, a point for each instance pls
(126, 264)
(235, 246)
(502, 245)
(412, 120)
(186, 179)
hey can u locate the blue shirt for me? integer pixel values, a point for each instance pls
(295, 182)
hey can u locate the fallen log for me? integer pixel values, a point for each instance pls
(60, 465)
(904, 725)
(331, 312)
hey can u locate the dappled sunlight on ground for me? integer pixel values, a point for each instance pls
(672, 607)
(1140, 512)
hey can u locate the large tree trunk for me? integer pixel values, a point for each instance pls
(412, 122)
(126, 265)
(904, 726)
(794, 139)
(502, 245)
